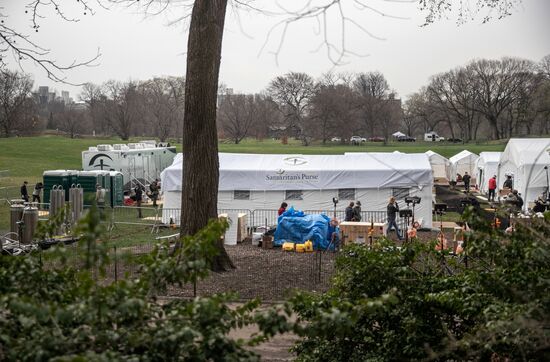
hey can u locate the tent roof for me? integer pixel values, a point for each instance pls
(398, 134)
(303, 172)
(436, 158)
(527, 151)
(490, 157)
(463, 155)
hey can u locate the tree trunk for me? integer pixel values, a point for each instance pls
(200, 143)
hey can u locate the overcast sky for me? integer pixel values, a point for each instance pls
(136, 47)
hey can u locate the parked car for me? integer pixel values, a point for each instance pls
(455, 140)
(335, 139)
(355, 140)
(376, 139)
(433, 137)
(406, 139)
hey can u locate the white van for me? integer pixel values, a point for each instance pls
(432, 137)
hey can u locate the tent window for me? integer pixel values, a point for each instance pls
(294, 195)
(241, 195)
(400, 193)
(346, 194)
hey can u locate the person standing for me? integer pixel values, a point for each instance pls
(155, 191)
(492, 188)
(100, 198)
(508, 184)
(282, 209)
(466, 179)
(24, 191)
(36, 192)
(356, 211)
(349, 212)
(393, 209)
(139, 197)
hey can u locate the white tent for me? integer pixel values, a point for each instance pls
(310, 182)
(464, 161)
(398, 134)
(525, 160)
(439, 164)
(486, 167)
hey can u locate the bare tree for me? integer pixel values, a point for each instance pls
(71, 121)
(236, 115)
(374, 90)
(93, 96)
(419, 106)
(454, 95)
(335, 112)
(15, 90)
(164, 98)
(497, 85)
(122, 107)
(293, 92)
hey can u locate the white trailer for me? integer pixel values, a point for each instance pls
(433, 137)
(138, 162)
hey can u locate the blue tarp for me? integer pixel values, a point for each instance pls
(296, 227)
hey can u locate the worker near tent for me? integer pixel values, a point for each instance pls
(515, 201)
(540, 205)
(356, 211)
(333, 234)
(349, 211)
(100, 198)
(466, 178)
(492, 187)
(393, 209)
(36, 192)
(519, 200)
(282, 209)
(24, 191)
(155, 190)
(508, 184)
(139, 197)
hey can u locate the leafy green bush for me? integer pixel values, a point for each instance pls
(415, 303)
(63, 314)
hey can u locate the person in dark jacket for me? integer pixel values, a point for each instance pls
(25, 192)
(509, 183)
(36, 192)
(139, 197)
(155, 191)
(393, 209)
(356, 211)
(466, 179)
(349, 211)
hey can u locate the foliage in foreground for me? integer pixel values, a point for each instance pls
(415, 303)
(59, 313)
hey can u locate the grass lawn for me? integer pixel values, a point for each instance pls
(26, 158)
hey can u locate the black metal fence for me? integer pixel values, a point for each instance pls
(268, 274)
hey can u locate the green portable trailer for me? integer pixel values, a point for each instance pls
(109, 180)
(63, 178)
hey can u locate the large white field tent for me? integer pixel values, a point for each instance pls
(486, 167)
(310, 182)
(439, 164)
(462, 162)
(525, 160)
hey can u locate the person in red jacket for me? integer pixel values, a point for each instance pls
(282, 209)
(492, 187)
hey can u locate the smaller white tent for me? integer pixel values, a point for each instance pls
(398, 134)
(439, 164)
(525, 160)
(486, 167)
(462, 162)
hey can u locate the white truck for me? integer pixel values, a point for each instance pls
(433, 137)
(138, 162)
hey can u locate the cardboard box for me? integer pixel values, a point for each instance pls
(267, 242)
(358, 232)
(242, 227)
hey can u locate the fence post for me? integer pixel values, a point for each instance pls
(116, 264)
